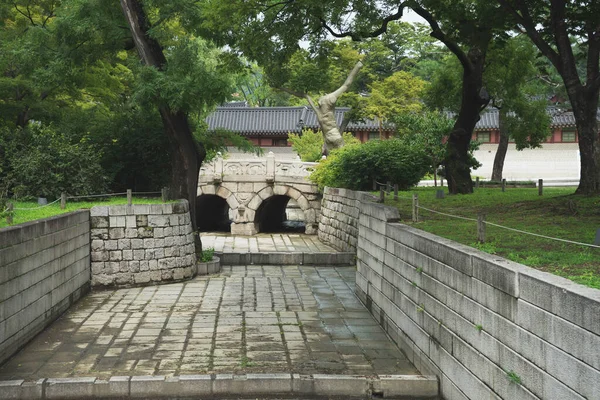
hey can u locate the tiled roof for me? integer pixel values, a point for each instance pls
(282, 120)
(235, 104)
(252, 120)
(560, 118)
(276, 120)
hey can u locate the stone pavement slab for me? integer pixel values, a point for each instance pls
(247, 320)
(264, 243)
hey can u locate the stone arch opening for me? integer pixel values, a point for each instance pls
(280, 213)
(212, 213)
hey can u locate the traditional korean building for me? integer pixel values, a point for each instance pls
(269, 126)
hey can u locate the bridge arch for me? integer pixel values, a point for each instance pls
(257, 212)
(215, 208)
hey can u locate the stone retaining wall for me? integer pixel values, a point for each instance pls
(141, 243)
(338, 222)
(44, 269)
(487, 327)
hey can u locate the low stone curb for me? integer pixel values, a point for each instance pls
(207, 268)
(415, 387)
(288, 258)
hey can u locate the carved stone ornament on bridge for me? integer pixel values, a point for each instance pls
(294, 168)
(243, 197)
(244, 168)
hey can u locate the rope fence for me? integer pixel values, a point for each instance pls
(64, 198)
(481, 223)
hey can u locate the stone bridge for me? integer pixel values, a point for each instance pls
(253, 194)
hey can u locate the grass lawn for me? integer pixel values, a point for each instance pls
(559, 213)
(21, 216)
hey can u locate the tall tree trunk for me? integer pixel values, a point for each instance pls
(502, 147)
(186, 153)
(474, 99)
(585, 111)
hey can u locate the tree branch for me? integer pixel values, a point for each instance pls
(524, 19)
(28, 15)
(437, 33)
(358, 37)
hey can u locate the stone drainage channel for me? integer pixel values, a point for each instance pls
(258, 331)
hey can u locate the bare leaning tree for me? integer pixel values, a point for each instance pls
(324, 109)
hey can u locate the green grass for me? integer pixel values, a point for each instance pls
(21, 216)
(559, 213)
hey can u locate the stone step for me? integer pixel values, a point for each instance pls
(415, 387)
(287, 258)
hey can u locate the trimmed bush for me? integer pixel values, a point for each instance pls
(356, 166)
(309, 144)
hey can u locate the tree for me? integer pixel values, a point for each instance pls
(396, 94)
(564, 31)
(429, 131)
(175, 86)
(512, 81)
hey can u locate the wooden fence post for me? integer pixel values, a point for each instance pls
(540, 187)
(63, 200)
(388, 187)
(381, 194)
(129, 197)
(9, 215)
(374, 184)
(504, 185)
(481, 228)
(164, 193)
(395, 191)
(476, 182)
(415, 207)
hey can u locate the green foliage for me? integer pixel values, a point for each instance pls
(513, 377)
(44, 162)
(426, 130)
(356, 166)
(309, 144)
(207, 254)
(398, 93)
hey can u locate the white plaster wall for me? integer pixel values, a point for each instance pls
(553, 161)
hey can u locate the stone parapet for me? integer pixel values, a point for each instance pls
(44, 269)
(141, 244)
(488, 328)
(338, 221)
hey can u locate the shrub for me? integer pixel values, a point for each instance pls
(309, 144)
(207, 254)
(44, 162)
(355, 166)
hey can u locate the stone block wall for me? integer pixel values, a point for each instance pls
(141, 243)
(44, 268)
(487, 327)
(338, 222)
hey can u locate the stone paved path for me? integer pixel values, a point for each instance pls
(264, 243)
(250, 319)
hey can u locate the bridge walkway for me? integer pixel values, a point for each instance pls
(302, 320)
(274, 249)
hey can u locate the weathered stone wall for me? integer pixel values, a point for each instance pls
(338, 222)
(487, 327)
(141, 243)
(44, 268)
